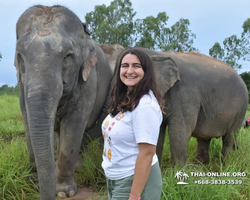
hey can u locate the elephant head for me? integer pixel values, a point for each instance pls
(56, 63)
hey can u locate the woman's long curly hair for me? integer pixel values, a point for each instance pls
(123, 101)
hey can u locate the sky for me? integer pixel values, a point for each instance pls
(211, 20)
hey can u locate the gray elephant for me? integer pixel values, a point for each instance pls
(64, 78)
(204, 98)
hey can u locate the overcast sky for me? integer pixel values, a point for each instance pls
(211, 20)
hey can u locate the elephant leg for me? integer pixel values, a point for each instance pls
(161, 140)
(236, 144)
(227, 144)
(178, 138)
(70, 141)
(203, 151)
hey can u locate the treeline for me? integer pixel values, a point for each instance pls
(10, 90)
(115, 24)
(246, 78)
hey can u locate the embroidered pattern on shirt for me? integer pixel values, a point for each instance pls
(120, 116)
(109, 141)
(106, 124)
(109, 154)
(111, 126)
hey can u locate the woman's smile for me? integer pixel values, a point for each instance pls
(131, 71)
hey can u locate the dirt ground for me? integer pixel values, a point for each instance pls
(85, 194)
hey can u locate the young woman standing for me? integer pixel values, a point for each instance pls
(131, 130)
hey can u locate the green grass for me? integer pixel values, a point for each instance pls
(237, 162)
(15, 181)
(11, 122)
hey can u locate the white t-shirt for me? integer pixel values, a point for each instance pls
(123, 132)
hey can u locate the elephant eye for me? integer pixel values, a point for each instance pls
(19, 58)
(68, 59)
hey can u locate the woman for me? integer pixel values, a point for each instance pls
(131, 130)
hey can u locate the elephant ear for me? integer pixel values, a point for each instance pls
(17, 68)
(85, 27)
(90, 62)
(167, 73)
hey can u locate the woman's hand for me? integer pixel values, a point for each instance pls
(142, 168)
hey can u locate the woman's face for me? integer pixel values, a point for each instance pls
(131, 71)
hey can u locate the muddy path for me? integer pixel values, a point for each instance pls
(85, 194)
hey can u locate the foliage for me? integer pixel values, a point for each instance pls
(148, 31)
(246, 78)
(91, 173)
(234, 49)
(152, 33)
(246, 39)
(10, 90)
(15, 182)
(10, 117)
(112, 24)
(0, 56)
(115, 24)
(180, 38)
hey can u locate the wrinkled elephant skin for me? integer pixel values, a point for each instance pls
(64, 78)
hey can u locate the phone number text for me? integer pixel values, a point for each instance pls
(218, 182)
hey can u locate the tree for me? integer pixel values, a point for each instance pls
(149, 31)
(11, 90)
(112, 24)
(0, 56)
(246, 39)
(246, 78)
(180, 37)
(230, 53)
(153, 33)
(234, 49)
(217, 51)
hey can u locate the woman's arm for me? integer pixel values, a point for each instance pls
(142, 168)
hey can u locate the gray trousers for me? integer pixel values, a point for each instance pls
(120, 189)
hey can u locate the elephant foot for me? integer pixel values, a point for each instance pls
(67, 188)
(203, 160)
(63, 194)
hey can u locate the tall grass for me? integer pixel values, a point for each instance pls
(238, 161)
(11, 122)
(15, 181)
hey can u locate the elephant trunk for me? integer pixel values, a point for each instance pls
(41, 105)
